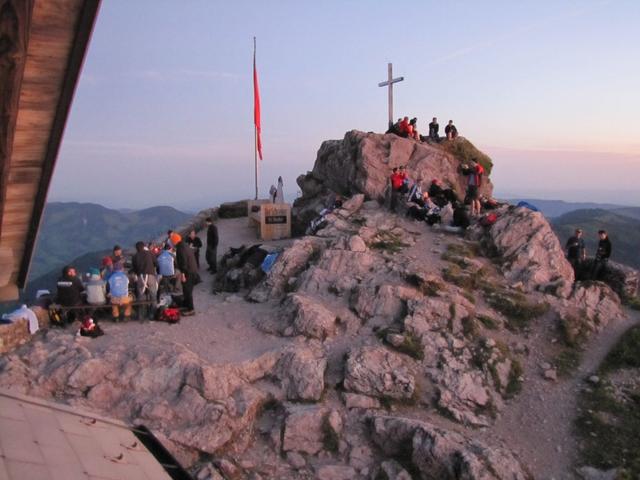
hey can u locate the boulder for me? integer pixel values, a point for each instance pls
(378, 372)
(530, 252)
(336, 472)
(303, 429)
(311, 318)
(195, 405)
(392, 470)
(292, 262)
(624, 280)
(437, 453)
(300, 371)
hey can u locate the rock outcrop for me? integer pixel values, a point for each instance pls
(361, 163)
(529, 251)
(441, 454)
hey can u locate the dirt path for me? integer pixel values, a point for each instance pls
(537, 424)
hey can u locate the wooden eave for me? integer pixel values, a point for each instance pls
(43, 44)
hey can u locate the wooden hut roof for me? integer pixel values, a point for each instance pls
(42, 47)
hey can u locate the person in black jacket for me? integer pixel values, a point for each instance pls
(145, 266)
(434, 128)
(195, 244)
(451, 131)
(602, 255)
(188, 273)
(70, 291)
(576, 251)
(211, 254)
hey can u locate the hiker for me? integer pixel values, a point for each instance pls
(576, 252)
(195, 244)
(211, 254)
(188, 273)
(433, 130)
(279, 198)
(117, 255)
(474, 173)
(451, 131)
(70, 290)
(403, 128)
(397, 180)
(413, 129)
(415, 194)
(602, 255)
(145, 265)
(119, 292)
(166, 262)
(96, 288)
(273, 191)
(89, 328)
(106, 268)
(167, 241)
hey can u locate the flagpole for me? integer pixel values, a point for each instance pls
(255, 127)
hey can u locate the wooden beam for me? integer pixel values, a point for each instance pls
(84, 28)
(15, 24)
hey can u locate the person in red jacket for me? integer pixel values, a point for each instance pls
(404, 127)
(474, 181)
(397, 180)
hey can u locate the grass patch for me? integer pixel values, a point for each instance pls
(626, 354)
(568, 361)
(464, 249)
(465, 280)
(465, 151)
(516, 308)
(633, 303)
(410, 346)
(430, 288)
(574, 330)
(469, 327)
(514, 384)
(488, 322)
(388, 241)
(455, 259)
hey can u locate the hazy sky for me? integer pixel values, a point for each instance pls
(163, 111)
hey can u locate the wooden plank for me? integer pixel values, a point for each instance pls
(83, 28)
(15, 23)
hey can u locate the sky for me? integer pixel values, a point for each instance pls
(163, 112)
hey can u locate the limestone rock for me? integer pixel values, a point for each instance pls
(441, 454)
(394, 471)
(292, 261)
(354, 400)
(356, 244)
(311, 318)
(301, 373)
(530, 251)
(624, 280)
(377, 372)
(336, 472)
(303, 429)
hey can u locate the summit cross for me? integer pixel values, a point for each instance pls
(390, 81)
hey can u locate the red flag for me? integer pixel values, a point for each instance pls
(256, 106)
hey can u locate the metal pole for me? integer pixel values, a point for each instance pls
(255, 128)
(390, 71)
(255, 156)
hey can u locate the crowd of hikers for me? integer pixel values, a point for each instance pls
(409, 129)
(577, 255)
(158, 279)
(437, 203)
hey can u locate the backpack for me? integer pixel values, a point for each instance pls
(169, 315)
(119, 284)
(488, 220)
(166, 266)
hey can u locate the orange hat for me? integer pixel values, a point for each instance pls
(175, 238)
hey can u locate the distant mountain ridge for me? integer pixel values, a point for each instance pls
(70, 230)
(555, 208)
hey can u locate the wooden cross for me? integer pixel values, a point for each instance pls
(390, 81)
